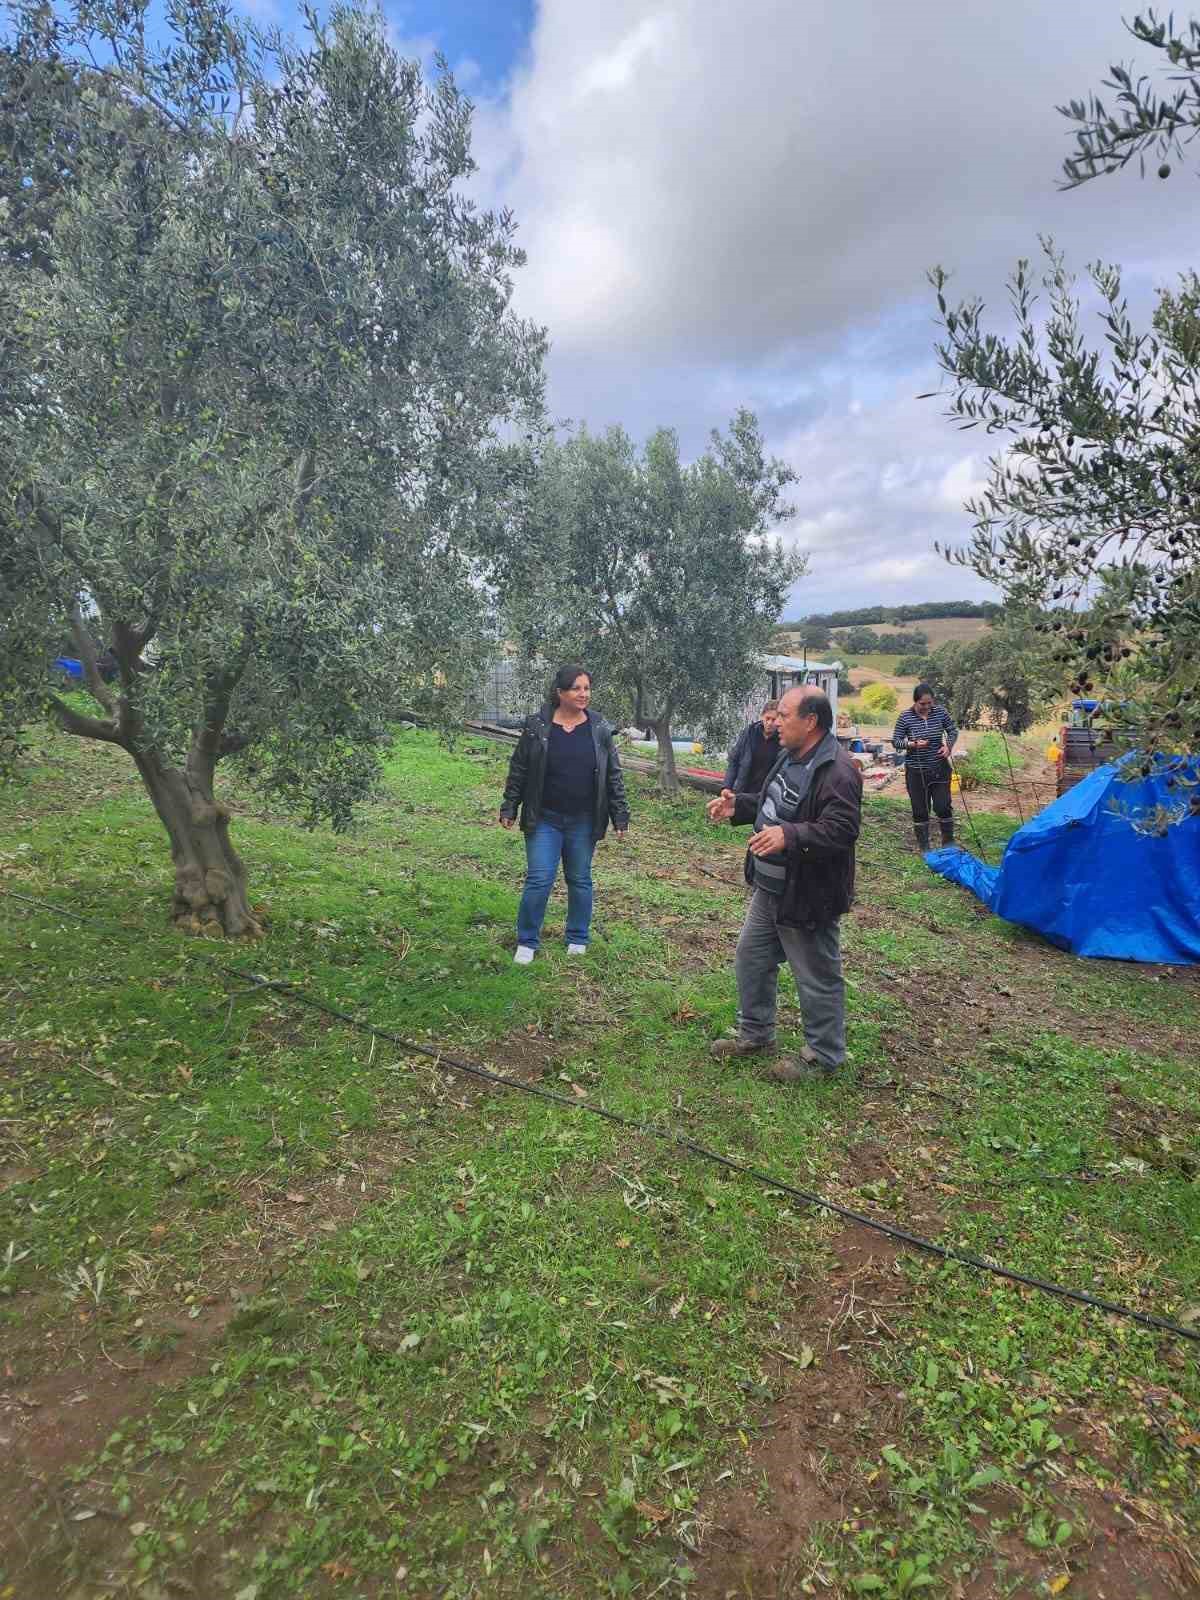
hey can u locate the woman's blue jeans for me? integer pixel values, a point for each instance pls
(556, 838)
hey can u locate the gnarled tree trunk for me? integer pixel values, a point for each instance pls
(668, 778)
(210, 879)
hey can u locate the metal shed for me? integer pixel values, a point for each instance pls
(781, 673)
(504, 703)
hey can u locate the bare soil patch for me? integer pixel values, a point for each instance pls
(1123, 1559)
(806, 1467)
(58, 1420)
(801, 1471)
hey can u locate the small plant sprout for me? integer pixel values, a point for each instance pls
(86, 1281)
(7, 1264)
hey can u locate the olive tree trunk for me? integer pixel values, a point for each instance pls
(210, 879)
(668, 777)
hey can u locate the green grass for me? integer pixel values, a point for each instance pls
(443, 1339)
(990, 763)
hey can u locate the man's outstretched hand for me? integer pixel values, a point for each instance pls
(721, 809)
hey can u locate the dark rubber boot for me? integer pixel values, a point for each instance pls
(947, 829)
(921, 829)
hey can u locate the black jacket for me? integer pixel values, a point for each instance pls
(527, 775)
(819, 843)
(741, 757)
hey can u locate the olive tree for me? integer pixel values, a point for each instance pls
(1142, 119)
(264, 404)
(1006, 679)
(1093, 508)
(660, 575)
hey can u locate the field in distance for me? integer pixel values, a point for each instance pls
(938, 630)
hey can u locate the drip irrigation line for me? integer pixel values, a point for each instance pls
(62, 911)
(889, 1230)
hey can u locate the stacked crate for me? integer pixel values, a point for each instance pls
(1079, 751)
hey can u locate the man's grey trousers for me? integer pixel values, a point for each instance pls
(815, 957)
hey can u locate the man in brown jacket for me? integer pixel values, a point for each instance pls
(801, 865)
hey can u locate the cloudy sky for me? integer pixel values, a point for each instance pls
(730, 202)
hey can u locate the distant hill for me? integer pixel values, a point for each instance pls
(938, 630)
(898, 616)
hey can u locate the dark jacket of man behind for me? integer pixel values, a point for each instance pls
(756, 751)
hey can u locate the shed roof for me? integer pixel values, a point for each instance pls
(795, 664)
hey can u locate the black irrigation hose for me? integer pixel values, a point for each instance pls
(889, 1230)
(62, 911)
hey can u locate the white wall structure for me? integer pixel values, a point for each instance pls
(503, 700)
(781, 673)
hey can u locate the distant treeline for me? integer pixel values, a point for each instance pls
(926, 611)
(865, 641)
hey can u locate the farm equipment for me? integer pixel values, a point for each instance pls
(1082, 744)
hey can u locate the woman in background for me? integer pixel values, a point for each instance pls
(927, 736)
(755, 753)
(565, 779)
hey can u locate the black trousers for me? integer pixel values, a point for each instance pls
(929, 789)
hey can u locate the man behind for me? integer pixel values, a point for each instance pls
(755, 753)
(800, 862)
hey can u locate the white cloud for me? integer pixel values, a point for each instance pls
(738, 204)
(899, 569)
(827, 531)
(611, 73)
(965, 480)
(772, 173)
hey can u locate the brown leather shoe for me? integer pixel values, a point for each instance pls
(799, 1071)
(725, 1049)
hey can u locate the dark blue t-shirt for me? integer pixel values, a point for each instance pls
(570, 785)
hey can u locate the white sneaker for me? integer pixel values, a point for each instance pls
(577, 949)
(525, 954)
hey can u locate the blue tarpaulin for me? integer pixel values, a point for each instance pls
(1080, 874)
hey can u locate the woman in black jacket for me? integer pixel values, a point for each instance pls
(926, 736)
(565, 778)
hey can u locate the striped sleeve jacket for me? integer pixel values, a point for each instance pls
(910, 726)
